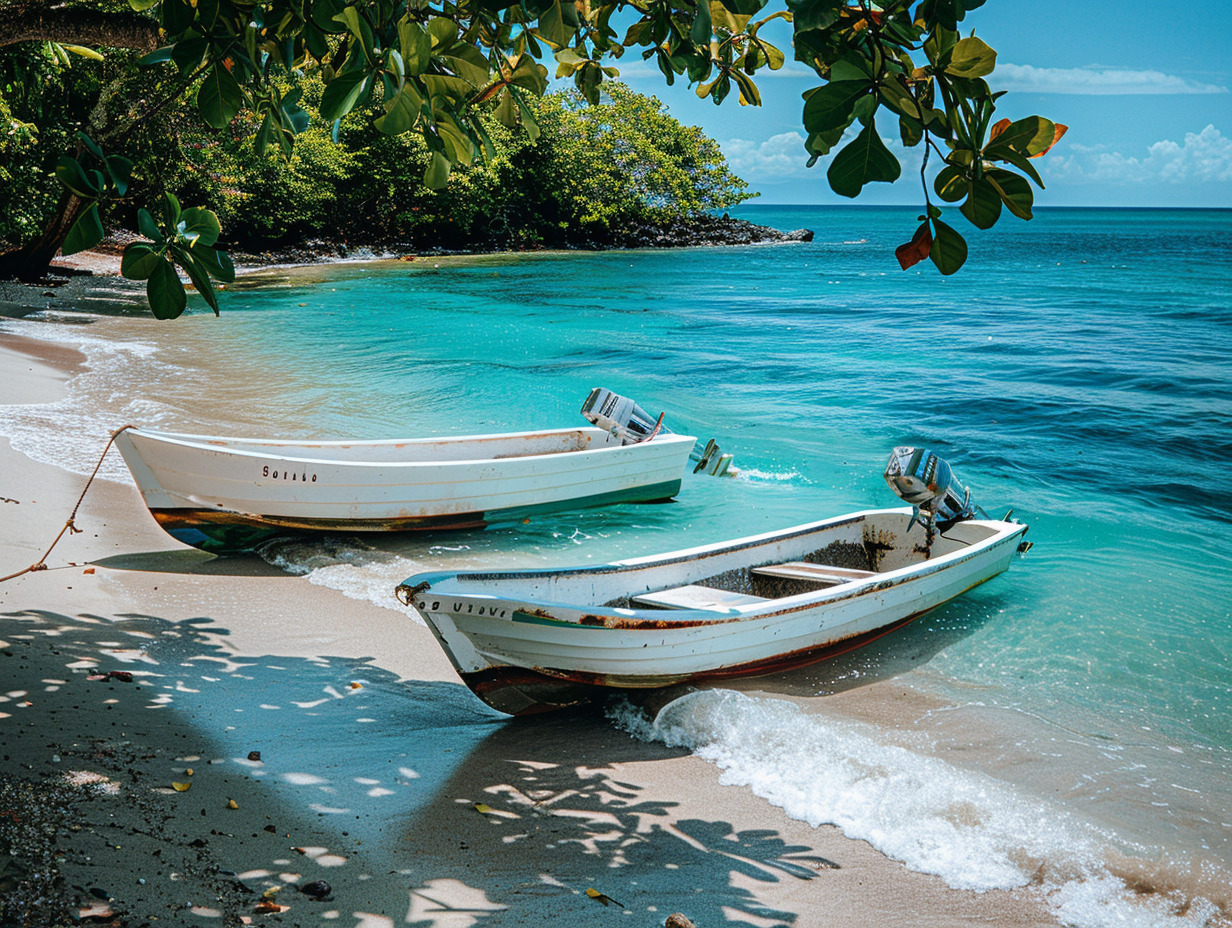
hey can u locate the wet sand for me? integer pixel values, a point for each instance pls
(379, 773)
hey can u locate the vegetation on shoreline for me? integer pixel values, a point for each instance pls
(593, 171)
(437, 70)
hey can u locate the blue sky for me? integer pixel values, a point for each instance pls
(1146, 89)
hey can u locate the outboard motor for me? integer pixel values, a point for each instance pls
(631, 424)
(928, 483)
(621, 416)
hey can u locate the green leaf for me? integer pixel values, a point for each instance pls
(148, 227)
(971, 57)
(833, 106)
(199, 225)
(1014, 191)
(158, 56)
(141, 5)
(458, 147)
(217, 263)
(198, 275)
(437, 173)
(444, 32)
(948, 250)
(139, 261)
(703, 28)
(416, 46)
(552, 26)
(951, 184)
(165, 292)
(1028, 136)
(470, 64)
(819, 144)
(899, 99)
(911, 131)
(402, 112)
(189, 53)
(171, 210)
(71, 174)
(341, 94)
(983, 205)
(865, 160)
(86, 232)
(814, 14)
(219, 98)
(120, 169)
(1020, 161)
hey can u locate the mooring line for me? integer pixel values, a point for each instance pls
(69, 526)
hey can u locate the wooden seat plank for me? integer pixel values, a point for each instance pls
(821, 573)
(693, 596)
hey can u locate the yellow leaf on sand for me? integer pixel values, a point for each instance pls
(232, 804)
(180, 787)
(601, 897)
(482, 807)
(189, 771)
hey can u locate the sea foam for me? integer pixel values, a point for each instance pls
(970, 829)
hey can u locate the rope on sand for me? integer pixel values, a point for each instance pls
(69, 526)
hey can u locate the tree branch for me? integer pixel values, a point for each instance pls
(43, 22)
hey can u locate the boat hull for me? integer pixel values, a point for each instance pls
(530, 653)
(230, 495)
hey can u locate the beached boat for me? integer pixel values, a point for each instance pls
(529, 640)
(230, 494)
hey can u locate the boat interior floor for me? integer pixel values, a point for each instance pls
(749, 586)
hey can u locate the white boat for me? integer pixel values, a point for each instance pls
(230, 494)
(529, 640)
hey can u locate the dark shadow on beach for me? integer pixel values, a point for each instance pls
(412, 799)
(191, 561)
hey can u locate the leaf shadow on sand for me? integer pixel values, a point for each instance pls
(418, 804)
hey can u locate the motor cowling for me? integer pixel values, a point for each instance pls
(621, 416)
(927, 482)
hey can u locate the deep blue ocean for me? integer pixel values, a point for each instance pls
(1078, 371)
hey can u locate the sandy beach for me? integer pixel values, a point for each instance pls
(196, 740)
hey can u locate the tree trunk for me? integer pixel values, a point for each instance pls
(30, 262)
(40, 21)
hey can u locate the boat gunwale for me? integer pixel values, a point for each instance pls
(217, 446)
(659, 619)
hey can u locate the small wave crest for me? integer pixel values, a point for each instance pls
(753, 475)
(973, 831)
(71, 432)
(346, 565)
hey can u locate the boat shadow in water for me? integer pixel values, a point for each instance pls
(409, 797)
(892, 655)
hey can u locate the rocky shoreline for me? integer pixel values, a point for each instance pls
(692, 232)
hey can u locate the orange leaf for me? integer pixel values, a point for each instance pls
(1061, 129)
(916, 250)
(998, 128)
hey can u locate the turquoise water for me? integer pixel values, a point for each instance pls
(1078, 370)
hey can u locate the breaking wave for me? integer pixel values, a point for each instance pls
(970, 829)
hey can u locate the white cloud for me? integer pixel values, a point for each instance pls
(779, 156)
(1203, 157)
(782, 156)
(1095, 81)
